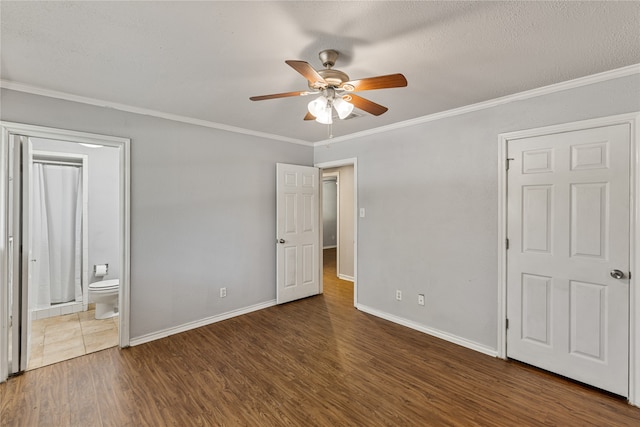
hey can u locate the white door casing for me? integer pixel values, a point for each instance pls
(568, 217)
(298, 233)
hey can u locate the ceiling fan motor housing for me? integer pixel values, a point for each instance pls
(334, 78)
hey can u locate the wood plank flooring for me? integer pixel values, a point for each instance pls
(314, 362)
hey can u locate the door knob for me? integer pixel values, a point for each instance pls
(281, 241)
(616, 274)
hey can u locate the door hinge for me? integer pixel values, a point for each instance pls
(506, 163)
(506, 243)
(507, 323)
(629, 275)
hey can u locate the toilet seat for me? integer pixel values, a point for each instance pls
(104, 286)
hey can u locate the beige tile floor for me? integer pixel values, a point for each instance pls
(64, 337)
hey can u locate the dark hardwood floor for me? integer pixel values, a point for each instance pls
(314, 362)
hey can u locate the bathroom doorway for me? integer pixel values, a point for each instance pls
(67, 216)
(66, 237)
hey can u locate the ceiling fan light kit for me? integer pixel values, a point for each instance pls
(336, 90)
(320, 107)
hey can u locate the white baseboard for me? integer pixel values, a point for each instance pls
(345, 277)
(430, 331)
(198, 323)
(329, 247)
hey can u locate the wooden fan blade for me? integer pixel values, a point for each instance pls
(380, 82)
(279, 95)
(365, 104)
(307, 71)
(309, 116)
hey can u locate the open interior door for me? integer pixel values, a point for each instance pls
(25, 254)
(19, 169)
(298, 235)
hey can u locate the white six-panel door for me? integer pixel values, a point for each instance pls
(298, 236)
(568, 229)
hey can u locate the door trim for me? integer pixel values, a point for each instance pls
(335, 164)
(124, 146)
(632, 119)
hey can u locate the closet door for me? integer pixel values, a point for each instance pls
(568, 261)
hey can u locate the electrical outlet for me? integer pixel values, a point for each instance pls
(223, 292)
(399, 295)
(420, 299)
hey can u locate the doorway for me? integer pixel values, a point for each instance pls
(342, 252)
(55, 252)
(66, 237)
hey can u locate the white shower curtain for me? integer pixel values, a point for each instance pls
(56, 234)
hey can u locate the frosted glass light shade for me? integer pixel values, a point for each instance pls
(316, 106)
(321, 109)
(324, 116)
(343, 107)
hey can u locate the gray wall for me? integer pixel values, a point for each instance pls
(329, 213)
(202, 209)
(104, 202)
(431, 198)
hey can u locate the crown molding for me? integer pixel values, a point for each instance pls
(545, 90)
(34, 90)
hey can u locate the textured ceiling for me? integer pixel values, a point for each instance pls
(204, 60)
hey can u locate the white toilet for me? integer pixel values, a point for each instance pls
(105, 295)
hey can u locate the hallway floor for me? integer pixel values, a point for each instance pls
(59, 338)
(336, 287)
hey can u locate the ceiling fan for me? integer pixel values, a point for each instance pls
(336, 90)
